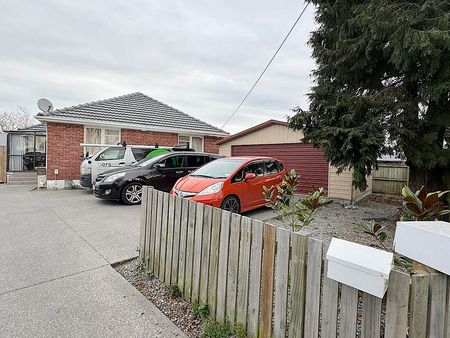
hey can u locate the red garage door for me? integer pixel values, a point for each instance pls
(309, 162)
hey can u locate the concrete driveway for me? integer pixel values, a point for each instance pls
(56, 248)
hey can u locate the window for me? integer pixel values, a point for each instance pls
(100, 136)
(173, 161)
(255, 168)
(112, 136)
(194, 161)
(140, 153)
(194, 142)
(272, 167)
(112, 154)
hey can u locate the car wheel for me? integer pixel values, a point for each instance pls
(132, 193)
(231, 204)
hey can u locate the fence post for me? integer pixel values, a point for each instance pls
(419, 306)
(281, 283)
(397, 300)
(143, 223)
(313, 277)
(267, 281)
(223, 266)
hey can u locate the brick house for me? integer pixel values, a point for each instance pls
(134, 118)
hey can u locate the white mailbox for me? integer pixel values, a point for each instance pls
(425, 242)
(359, 266)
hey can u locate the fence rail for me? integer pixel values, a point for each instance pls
(390, 178)
(273, 281)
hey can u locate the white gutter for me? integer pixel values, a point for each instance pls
(122, 125)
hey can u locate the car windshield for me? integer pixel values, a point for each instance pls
(149, 161)
(222, 168)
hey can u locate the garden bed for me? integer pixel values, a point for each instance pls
(341, 220)
(176, 309)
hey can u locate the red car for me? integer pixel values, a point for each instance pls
(233, 183)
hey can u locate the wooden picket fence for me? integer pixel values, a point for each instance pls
(273, 281)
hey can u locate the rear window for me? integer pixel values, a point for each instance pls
(140, 153)
(173, 161)
(272, 167)
(195, 161)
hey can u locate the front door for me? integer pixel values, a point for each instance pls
(170, 170)
(253, 189)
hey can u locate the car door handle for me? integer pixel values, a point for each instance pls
(179, 172)
(121, 163)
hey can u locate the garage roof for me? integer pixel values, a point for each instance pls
(252, 130)
(132, 110)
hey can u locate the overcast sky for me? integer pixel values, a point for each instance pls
(198, 56)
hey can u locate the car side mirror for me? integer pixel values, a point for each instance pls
(160, 165)
(249, 176)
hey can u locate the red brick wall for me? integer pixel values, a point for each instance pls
(63, 150)
(149, 138)
(210, 144)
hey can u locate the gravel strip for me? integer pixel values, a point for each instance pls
(338, 219)
(177, 310)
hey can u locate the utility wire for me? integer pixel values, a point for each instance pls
(261, 75)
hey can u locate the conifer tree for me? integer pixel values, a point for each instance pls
(382, 86)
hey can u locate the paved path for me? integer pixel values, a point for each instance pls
(56, 248)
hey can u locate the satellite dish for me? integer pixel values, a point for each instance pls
(45, 105)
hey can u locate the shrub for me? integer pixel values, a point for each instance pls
(423, 206)
(295, 214)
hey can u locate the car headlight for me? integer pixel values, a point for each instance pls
(114, 177)
(212, 189)
(85, 171)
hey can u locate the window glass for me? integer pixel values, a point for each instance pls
(112, 136)
(256, 168)
(93, 136)
(173, 162)
(272, 167)
(184, 141)
(280, 165)
(140, 153)
(195, 161)
(111, 154)
(221, 168)
(197, 143)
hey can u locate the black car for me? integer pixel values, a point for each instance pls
(161, 172)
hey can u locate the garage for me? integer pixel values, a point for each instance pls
(274, 138)
(309, 162)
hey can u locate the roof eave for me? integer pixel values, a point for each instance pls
(57, 119)
(251, 130)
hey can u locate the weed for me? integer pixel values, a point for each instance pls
(212, 329)
(239, 330)
(174, 291)
(200, 310)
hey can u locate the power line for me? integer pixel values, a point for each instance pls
(267, 66)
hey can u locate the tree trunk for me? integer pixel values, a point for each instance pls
(433, 180)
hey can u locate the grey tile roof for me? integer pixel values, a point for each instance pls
(37, 128)
(135, 108)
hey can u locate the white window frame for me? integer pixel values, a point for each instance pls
(102, 133)
(190, 140)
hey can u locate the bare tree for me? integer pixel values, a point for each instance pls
(20, 118)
